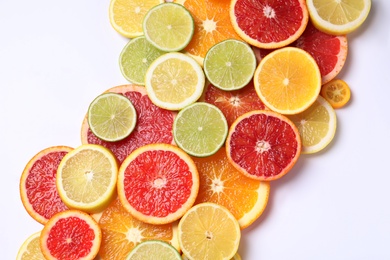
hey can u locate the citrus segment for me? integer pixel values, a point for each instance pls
(263, 145)
(154, 249)
(158, 183)
(336, 92)
(269, 24)
(209, 231)
(31, 249)
(37, 185)
(338, 17)
(200, 129)
(288, 80)
(223, 184)
(168, 26)
(230, 64)
(86, 178)
(111, 117)
(71, 234)
(174, 80)
(126, 16)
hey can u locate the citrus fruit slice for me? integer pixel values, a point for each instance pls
(338, 17)
(37, 185)
(71, 234)
(234, 103)
(235, 257)
(212, 25)
(316, 126)
(135, 59)
(200, 129)
(154, 249)
(121, 232)
(288, 80)
(263, 145)
(111, 117)
(230, 64)
(148, 129)
(158, 183)
(223, 184)
(86, 178)
(269, 24)
(336, 92)
(126, 16)
(168, 27)
(209, 231)
(30, 248)
(174, 80)
(329, 51)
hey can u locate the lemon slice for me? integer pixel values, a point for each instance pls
(86, 178)
(154, 249)
(30, 248)
(174, 80)
(338, 17)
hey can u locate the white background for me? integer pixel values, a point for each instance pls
(56, 56)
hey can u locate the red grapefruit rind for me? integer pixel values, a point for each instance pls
(71, 234)
(257, 157)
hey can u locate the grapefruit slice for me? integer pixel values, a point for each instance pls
(158, 183)
(269, 24)
(148, 129)
(263, 145)
(37, 186)
(71, 234)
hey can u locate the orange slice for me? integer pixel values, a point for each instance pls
(336, 92)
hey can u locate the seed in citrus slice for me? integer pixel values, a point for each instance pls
(111, 117)
(234, 103)
(209, 231)
(158, 183)
(126, 16)
(135, 59)
(71, 234)
(122, 232)
(269, 24)
(200, 129)
(174, 81)
(338, 17)
(86, 178)
(30, 249)
(230, 64)
(288, 80)
(37, 185)
(336, 92)
(223, 184)
(316, 126)
(148, 129)
(168, 26)
(263, 145)
(154, 249)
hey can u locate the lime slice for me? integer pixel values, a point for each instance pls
(230, 64)
(111, 117)
(174, 80)
(136, 58)
(200, 129)
(169, 26)
(154, 249)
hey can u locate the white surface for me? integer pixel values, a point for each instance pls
(56, 56)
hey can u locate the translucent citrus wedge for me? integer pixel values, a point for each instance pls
(174, 81)
(209, 231)
(154, 249)
(316, 126)
(288, 80)
(126, 16)
(336, 92)
(230, 64)
(338, 17)
(31, 249)
(200, 129)
(111, 117)
(168, 27)
(86, 178)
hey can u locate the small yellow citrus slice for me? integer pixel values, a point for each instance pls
(30, 248)
(336, 92)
